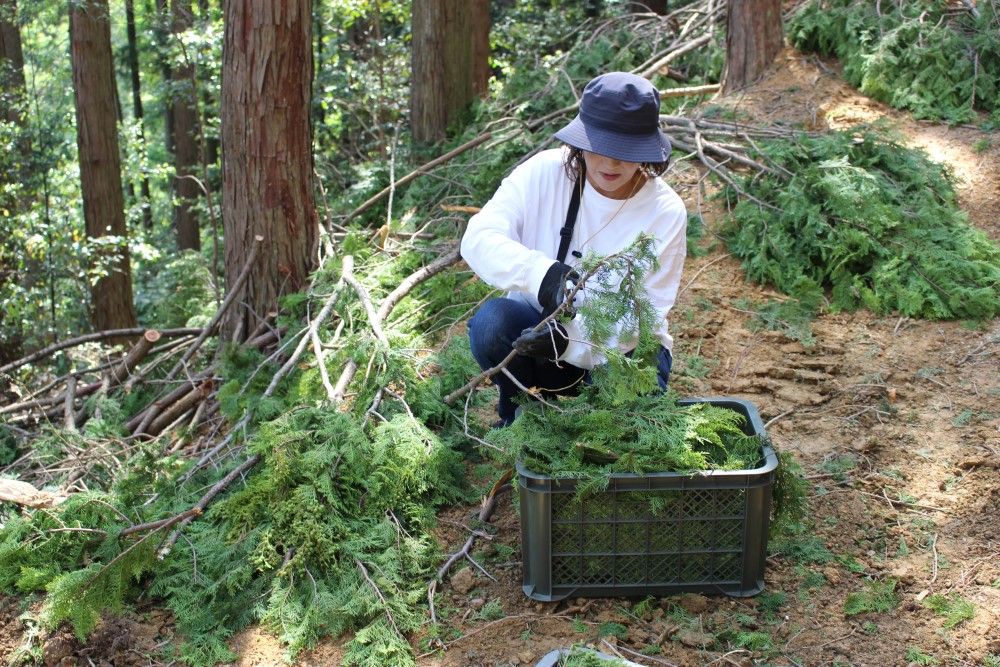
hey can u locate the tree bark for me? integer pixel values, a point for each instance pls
(480, 34)
(112, 305)
(753, 38)
(12, 99)
(187, 157)
(450, 62)
(133, 65)
(11, 64)
(267, 154)
(161, 37)
(14, 169)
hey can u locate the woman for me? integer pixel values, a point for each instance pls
(611, 161)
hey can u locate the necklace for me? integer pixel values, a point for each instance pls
(635, 187)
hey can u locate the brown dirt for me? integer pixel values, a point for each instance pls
(896, 423)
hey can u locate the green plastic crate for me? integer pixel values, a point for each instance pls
(708, 534)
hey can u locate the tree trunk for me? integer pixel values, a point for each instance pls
(12, 90)
(186, 145)
(14, 169)
(480, 33)
(450, 62)
(267, 163)
(11, 65)
(161, 37)
(659, 7)
(112, 305)
(753, 38)
(133, 65)
(12, 97)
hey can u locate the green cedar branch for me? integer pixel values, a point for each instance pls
(385, 308)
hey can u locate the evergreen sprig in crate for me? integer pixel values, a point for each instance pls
(652, 534)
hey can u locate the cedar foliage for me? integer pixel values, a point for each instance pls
(874, 222)
(587, 436)
(931, 58)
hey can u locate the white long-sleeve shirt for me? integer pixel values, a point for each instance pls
(514, 239)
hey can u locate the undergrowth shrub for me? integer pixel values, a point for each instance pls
(875, 223)
(176, 291)
(924, 56)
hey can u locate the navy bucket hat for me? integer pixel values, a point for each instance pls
(619, 118)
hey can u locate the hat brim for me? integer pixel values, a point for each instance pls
(653, 147)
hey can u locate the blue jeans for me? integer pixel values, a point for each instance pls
(492, 332)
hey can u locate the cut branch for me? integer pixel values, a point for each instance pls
(192, 398)
(134, 356)
(210, 495)
(674, 55)
(414, 279)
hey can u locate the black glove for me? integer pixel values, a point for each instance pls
(549, 343)
(552, 291)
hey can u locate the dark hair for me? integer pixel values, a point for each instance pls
(574, 164)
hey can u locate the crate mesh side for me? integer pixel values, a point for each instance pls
(620, 538)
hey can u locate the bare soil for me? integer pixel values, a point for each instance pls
(896, 423)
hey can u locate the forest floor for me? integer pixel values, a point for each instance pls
(896, 423)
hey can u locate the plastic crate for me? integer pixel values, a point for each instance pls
(709, 537)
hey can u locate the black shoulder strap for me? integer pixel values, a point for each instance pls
(566, 233)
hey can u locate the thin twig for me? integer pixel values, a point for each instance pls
(156, 525)
(699, 272)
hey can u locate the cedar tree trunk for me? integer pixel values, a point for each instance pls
(186, 150)
(112, 305)
(133, 65)
(11, 64)
(754, 36)
(267, 188)
(450, 62)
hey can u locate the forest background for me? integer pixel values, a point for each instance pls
(300, 444)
